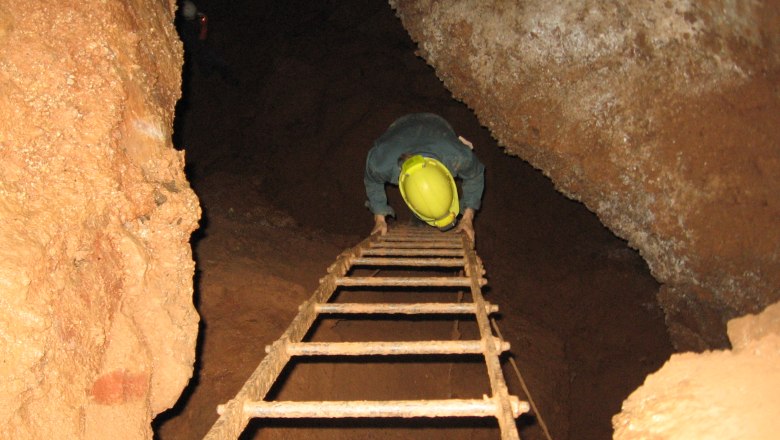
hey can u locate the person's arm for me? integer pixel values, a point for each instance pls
(466, 223)
(473, 176)
(472, 172)
(377, 198)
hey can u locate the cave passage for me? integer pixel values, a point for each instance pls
(276, 122)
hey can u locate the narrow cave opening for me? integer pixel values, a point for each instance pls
(279, 107)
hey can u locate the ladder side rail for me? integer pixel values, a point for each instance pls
(504, 415)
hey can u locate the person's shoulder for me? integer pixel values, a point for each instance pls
(378, 154)
(455, 146)
(373, 152)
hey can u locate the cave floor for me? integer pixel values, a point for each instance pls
(275, 149)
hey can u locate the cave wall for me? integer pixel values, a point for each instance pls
(661, 117)
(97, 324)
(725, 394)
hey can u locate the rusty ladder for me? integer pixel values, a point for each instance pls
(400, 247)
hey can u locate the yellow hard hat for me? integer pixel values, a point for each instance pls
(429, 189)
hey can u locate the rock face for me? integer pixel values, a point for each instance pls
(729, 394)
(661, 117)
(97, 324)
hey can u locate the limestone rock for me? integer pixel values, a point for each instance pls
(661, 117)
(97, 324)
(719, 394)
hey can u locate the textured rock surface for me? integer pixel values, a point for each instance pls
(659, 116)
(97, 326)
(719, 394)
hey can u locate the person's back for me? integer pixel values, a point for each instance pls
(430, 136)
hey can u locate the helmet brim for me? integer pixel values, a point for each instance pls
(440, 217)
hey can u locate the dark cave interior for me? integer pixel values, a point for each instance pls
(279, 108)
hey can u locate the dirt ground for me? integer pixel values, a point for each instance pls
(276, 138)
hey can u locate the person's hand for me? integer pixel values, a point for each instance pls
(466, 224)
(380, 225)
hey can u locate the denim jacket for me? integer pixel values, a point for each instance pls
(429, 135)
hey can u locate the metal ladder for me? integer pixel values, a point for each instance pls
(400, 247)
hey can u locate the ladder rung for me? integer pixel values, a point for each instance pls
(418, 232)
(407, 281)
(427, 262)
(406, 309)
(391, 408)
(417, 245)
(414, 252)
(390, 348)
(419, 239)
(414, 230)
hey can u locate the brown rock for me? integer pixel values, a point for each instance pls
(661, 117)
(97, 326)
(743, 331)
(717, 394)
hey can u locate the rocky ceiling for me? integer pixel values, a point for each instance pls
(661, 117)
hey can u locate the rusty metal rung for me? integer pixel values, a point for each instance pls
(388, 408)
(417, 232)
(391, 348)
(409, 262)
(417, 245)
(418, 239)
(406, 309)
(414, 252)
(406, 282)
